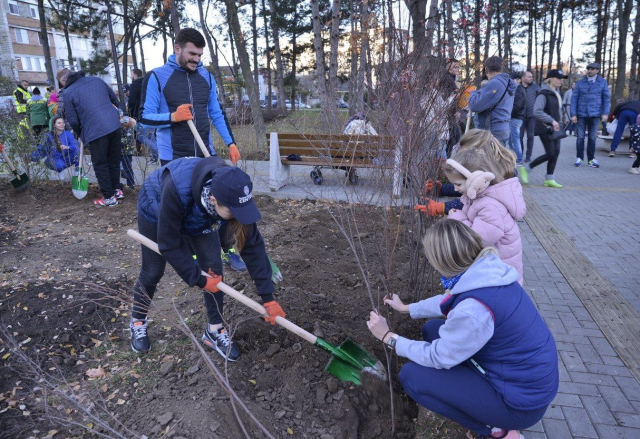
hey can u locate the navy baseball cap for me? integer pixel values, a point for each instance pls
(556, 73)
(232, 187)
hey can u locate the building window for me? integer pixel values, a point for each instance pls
(33, 10)
(33, 64)
(13, 8)
(22, 36)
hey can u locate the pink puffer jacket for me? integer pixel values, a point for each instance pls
(493, 215)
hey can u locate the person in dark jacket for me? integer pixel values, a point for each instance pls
(493, 102)
(517, 117)
(548, 112)
(626, 113)
(491, 365)
(177, 207)
(529, 125)
(184, 90)
(91, 109)
(135, 93)
(590, 103)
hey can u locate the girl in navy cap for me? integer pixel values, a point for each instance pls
(184, 202)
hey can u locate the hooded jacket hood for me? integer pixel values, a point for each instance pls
(487, 271)
(509, 83)
(73, 78)
(509, 194)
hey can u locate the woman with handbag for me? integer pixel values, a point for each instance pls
(548, 113)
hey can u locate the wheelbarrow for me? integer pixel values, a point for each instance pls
(348, 360)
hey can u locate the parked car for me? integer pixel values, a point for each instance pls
(342, 104)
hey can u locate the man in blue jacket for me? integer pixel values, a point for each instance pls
(91, 109)
(494, 101)
(589, 104)
(184, 90)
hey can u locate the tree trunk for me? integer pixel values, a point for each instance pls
(535, 37)
(552, 34)
(506, 6)
(217, 75)
(476, 43)
(164, 47)
(560, 36)
(431, 26)
(45, 44)
(327, 106)
(334, 40)
(254, 30)
(599, 31)
(530, 34)
(623, 31)
(245, 64)
(358, 99)
(634, 89)
(353, 64)
(612, 41)
(498, 14)
(488, 36)
(465, 35)
(279, 64)
(142, 64)
(266, 40)
(451, 48)
(175, 20)
(418, 12)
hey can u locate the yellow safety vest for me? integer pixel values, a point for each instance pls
(21, 108)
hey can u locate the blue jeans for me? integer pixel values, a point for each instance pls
(502, 136)
(625, 117)
(514, 139)
(207, 249)
(589, 124)
(462, 394)
(147, 137)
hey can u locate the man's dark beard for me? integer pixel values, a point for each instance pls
(184, 64)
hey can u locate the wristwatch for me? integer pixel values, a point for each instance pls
(391, 343)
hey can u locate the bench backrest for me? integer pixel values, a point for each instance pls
(334, 145)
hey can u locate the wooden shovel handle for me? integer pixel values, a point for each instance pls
(81, 154)
(230, 291)
(196, 134)
(8, 160)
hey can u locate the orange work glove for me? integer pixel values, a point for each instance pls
(428, 187)
(432, 208)
(234, 154)
(274, 310)
(182, 113)
(1, 147)
(212, 282)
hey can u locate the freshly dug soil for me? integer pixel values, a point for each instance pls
(66, 274)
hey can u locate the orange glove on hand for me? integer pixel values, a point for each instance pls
(234, 154)
(182, 113)
(212, 282)
(428, 187)
(274, 310)
(432, 208)
(1, 147)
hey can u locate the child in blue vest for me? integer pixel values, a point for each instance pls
(491, 363)
(60, 149)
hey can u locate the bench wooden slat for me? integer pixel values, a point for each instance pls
(330, 137)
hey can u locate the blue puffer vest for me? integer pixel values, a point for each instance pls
(187, 175)
(520, 360)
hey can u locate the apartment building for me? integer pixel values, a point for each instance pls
(21, 52)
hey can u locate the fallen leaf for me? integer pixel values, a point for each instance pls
(110, 229)
(96, 373)
(26, 341)
(253, 382)
(88, 265)
(96, 342)
(5, 356)
(289, 430)
(104, 388)
(121, 401)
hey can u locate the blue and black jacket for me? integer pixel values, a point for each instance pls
(171, 198)
(166, 88)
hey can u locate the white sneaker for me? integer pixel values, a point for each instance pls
(634, 171)
(578, 162)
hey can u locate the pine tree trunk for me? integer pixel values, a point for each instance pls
(498, 14)
(353, 65)
(334, 41)
(634, 89)
(530, 33)
(245, 65)
(254, 31)
(599, 31)
(215, 62)
(431, 26)
(279, 65)
(507, 32)
(266, 40)
(465, 35)
(488, 36)
(476, 42)
(418, 12)
(559, 37)
(45, 43)
(451, 45)
(625, 8)
(175, 21)
(142, 64)
(552, 34)
(358, 102)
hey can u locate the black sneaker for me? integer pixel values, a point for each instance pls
(221, 343)
(140, 342)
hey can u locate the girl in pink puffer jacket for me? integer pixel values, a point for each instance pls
(493, 212)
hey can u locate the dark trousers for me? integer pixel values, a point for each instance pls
(529, 127)
(105, 156)
(207, 249)
(551, 153)
(127, 165)
(462, 394)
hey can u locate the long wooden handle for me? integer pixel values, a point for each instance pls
(286, 324)
(8, 160)
(80, 159)
(196, 134)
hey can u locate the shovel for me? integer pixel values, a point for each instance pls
(349, 359)
(276, 273)
(79, 183)
(21, 182)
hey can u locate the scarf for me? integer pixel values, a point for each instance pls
(449, 282)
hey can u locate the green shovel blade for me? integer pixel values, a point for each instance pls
(79, 186)
(350, 359)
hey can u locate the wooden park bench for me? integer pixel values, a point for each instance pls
(347, 152)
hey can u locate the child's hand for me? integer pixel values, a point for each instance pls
(377, 325)
(428, 187)
(452, 211)
(394, 302)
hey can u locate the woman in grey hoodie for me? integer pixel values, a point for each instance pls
(491, 365)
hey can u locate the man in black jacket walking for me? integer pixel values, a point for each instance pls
(517, 117)
(529, 125)
(135, 92)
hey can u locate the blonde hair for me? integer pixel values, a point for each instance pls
(474, 159)
(504, 159)
(451, 247)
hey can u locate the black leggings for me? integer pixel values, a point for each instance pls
(551, 153)
(636, 163)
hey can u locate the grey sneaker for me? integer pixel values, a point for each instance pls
(140, 342)
(221, 343)
(594, 163)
